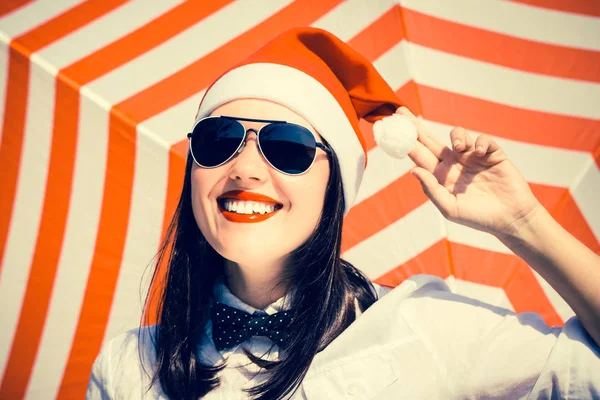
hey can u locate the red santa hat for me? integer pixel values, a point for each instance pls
(329, 84)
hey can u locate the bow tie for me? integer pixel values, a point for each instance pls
(231, 326)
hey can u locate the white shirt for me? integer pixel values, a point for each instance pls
(419, 341)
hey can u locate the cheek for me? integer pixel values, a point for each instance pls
(308, 197)
(202, 181)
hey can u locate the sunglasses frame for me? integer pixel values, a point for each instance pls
(318, 145)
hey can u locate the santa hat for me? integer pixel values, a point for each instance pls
(329, 84)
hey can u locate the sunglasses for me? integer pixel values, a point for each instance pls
(287, 147)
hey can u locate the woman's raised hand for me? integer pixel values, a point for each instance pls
(474, 183)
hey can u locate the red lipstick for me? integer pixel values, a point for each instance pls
(241, 195)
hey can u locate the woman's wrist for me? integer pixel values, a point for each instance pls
(528, 229)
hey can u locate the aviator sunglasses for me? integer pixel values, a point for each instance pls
(287, 147)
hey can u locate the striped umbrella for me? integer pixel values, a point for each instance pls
(96, 98)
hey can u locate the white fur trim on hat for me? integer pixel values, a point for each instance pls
(307, 97)
(396, 135)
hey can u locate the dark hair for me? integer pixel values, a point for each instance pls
(322, 287)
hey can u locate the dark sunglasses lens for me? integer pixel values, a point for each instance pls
(289, 148)
(214, 140)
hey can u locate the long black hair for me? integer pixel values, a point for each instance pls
(322, 292)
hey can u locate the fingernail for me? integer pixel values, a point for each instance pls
(456, 143)
(479, 149)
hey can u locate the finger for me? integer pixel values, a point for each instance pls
(461, 140)
(485, 144)
(423, 157)
(424, 136)
(438, 194)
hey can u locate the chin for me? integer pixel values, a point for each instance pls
(252, 251)
(250, 256)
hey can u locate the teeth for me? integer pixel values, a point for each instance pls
(248, 207)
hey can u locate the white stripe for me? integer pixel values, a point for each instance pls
(539, 164)
(143, 232)
(77, 248)
(395, 65)
(27, 208)
(382, 170)
(34, 14)
(486, 293)
(504, 85)
(398, 242)
(560, 305)
(104, 30)
(4, 54)
(471, 237)
(187, 47)
(172, 125)
(510, 18)
(350, 17)
(585, 192)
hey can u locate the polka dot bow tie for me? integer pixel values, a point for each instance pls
(231, 326)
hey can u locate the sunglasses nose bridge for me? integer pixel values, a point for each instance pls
(249, 166)
(245, 139)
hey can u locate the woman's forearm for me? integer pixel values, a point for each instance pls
(568, 265)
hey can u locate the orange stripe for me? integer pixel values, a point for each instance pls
(8, 6)
(107, 258)
(567, 132)
(526, 294)
(562, 206)
(505, 50)
(380, 36)
(433, 261)
(588, 7)
(393, 202)
(505, 271)
(13, 128)
(119, 178)
(49, 243)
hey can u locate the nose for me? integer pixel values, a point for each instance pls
(249, 168)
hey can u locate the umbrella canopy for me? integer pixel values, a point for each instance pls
(96, 98)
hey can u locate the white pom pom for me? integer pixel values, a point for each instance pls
(396, 135)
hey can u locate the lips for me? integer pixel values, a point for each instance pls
(262, 205)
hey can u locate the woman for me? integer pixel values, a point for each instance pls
(257, 301)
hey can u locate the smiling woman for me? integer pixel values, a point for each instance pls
(297, 200)
(257, 300)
